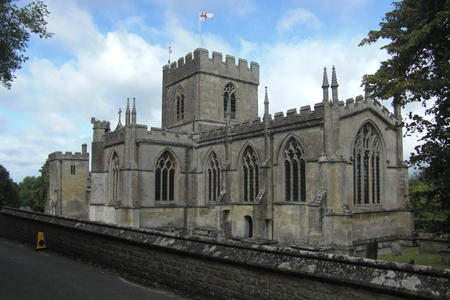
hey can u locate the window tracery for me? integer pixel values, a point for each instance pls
(250, 166)
(213, 178)
(366, 166)
(229, 96)
(115, 169)
(294, 172)
(165, 178)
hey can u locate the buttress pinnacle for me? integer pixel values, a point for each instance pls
(266, 104)
(127, 112)
(325, 85)
(334, 85)
(133, 112)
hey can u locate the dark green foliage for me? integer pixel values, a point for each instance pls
(8, 190)
(33, 190)
(16, 24)
(41, 187)
(419, 71)
(425, 205)
(431, 225)
(26, 187)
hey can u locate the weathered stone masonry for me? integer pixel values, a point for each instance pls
(227, 270)
(327, 177)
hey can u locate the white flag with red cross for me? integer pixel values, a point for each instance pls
(205, 16)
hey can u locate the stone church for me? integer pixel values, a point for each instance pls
(327, 178)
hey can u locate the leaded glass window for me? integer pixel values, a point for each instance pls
(213, 178)
(115, 172)
(250, 166)
(366, 166)
(294, 172)
(165, 178)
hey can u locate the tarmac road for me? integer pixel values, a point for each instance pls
(26, 274)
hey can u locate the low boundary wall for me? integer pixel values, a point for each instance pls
(433, 246)
(227, 270)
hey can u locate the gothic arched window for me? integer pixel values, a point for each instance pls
(294, 172)
(179, 98)
(114, 173)
(229, 96)
(165, 178)
(366, 166)
(213, 178)
(250, 168)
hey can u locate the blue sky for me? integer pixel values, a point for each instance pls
(106, 51)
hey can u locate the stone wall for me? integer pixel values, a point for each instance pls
(433, 245)
(225, 271)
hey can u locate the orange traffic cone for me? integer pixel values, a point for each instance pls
(41, 242)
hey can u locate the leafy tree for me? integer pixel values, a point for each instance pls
(40, 188)
(16, 25)
(8, 190)
(418, 71)
(425, 206)
(33, 190)
(26, 188)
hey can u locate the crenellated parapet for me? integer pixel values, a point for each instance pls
(352, 106)
(201, 63)
(167, 136)
(114, 137)
(100, 128)
(257, 125)
(100, 124)
(68, 156)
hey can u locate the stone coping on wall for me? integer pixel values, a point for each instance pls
(405, 279)
(445, 257)
(432, 245)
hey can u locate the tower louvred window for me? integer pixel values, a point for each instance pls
(229, 96)
(179, 98)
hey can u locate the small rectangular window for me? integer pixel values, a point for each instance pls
(72, 169)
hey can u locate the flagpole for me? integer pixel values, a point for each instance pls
(199, 29)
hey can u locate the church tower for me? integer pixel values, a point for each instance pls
(198, 92)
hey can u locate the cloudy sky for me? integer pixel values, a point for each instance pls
(106, 51)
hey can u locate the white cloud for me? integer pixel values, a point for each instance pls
(73, 27)
(294, 71)
(106, 67)
(298, 17)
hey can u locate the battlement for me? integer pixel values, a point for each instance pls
(68, 156)
(247, 126)
(114, 137)
(101, 124)
(360, 103)
(201, 63)
(160, 134)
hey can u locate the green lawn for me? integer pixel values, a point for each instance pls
(419, 259)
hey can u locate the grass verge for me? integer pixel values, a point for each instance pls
(419, 259)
